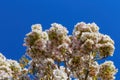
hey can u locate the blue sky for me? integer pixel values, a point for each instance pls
(17, 16)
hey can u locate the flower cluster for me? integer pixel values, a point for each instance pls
(78, 52)
(58, 41)
(60, 74)
(10, 69)
(92, 40)
(107, 71)
(36, 42)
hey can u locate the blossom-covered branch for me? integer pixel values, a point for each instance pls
(79, 52)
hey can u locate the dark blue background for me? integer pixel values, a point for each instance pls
(17, 16)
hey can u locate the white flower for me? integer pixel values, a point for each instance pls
(106, 49)
(94, 69)
(64, 45)
(107, 38)
(88, 35)
(93, 27)
(80, 26)
(14, 63)
(107, 71)
(4, 75)
(45, 35)
(36, 28)
(6, 68)
(60, 30)
(59, 74)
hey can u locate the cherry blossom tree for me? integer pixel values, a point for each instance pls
(80, 53)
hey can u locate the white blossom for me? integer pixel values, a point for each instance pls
(60, 74)
(107, 71)
(36, 28)
(78, 52)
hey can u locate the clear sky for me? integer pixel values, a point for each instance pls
(17, 16)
